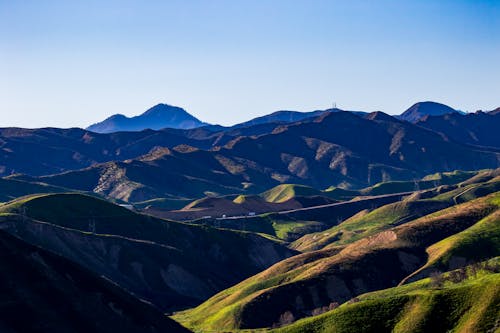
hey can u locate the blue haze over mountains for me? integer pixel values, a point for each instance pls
(167, 116)
(158, 117)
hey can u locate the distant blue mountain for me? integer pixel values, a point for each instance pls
(166, 116)
(280, 116)
(422, 109)
(288, 117)
(158, 117)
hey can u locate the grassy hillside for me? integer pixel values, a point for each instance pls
(291, 225)
(469, 191)
(371, 263)
(43, 292)
(289, 197)
(468, 306)
(427, 182)
(481, 241)
(369, 222)
(285, 192)
(11, 189)
(454, 177)
(170, 264)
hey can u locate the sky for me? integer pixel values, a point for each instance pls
(73, 63)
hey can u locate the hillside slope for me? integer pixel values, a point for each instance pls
(59, 150)
(369, 222)
(337, 149)
(471, 305)
(42, 292)
(287, 197)
(172, 265)
(313, 280)
(477, 128)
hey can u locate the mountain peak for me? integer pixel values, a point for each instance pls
(163, 109)
(117, 116)
(427, 108)
(158, 117)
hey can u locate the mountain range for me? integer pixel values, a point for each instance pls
(335, 149)
(166, 116)
(328, 221)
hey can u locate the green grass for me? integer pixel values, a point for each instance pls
(73, 210)
(220, 257)
(476, 243)
(77, 211)
(273, 225)
(453, 177)
(428, 182)
(470, 306)
(290, 228)
(286, 229)
(381, 260)
(285, 192)
(223, 310)
(480, 241)
(64, 208)
(469, 192)
(367, 223)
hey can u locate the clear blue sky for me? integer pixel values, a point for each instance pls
(71, 63)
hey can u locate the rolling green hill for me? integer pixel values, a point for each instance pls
(43, 292)
(292, 224)
(172, 265)
(427, 182)
(341, 273)
(285, 192)
(471, 305)
(345, 222)
(479, 242)
(286, 197)
(368, 222)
